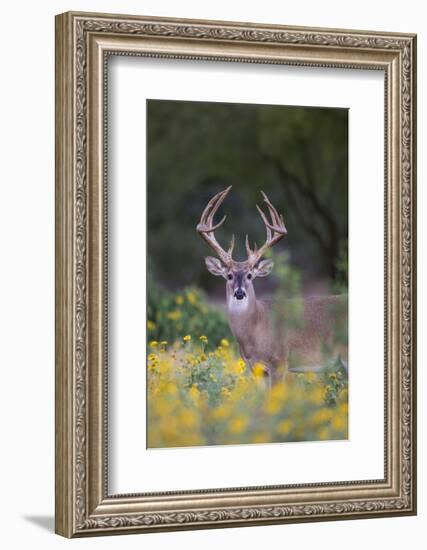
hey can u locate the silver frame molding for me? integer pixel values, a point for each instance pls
(84, 42)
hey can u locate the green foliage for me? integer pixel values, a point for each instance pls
(288, 307)
(173, 315)
(333, 377)
(207, 374)
(340, 285)
(286, 275)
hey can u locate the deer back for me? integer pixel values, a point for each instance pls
(311, 330)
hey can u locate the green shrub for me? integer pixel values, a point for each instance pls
(173, 315)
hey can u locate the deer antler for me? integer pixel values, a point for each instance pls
(275, 231)
(206, 228)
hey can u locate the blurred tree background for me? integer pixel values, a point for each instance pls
(297, 155)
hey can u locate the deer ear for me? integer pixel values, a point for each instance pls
(215, 266)
(263, 268)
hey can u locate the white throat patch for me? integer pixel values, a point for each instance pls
(238, 306)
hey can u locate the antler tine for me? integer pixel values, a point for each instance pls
(216, 204)
(268, 227)
(248, 248)
(278, 219)
(210, 229)
(231, 248)
(206, 228)
(212, 207)
(275, 231)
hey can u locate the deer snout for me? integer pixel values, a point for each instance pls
(240, 294)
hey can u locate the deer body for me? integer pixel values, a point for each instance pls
(268, 338)
(271, 335)
(261, 347)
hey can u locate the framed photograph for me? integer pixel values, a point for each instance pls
(235, 274)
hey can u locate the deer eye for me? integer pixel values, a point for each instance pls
(249, 276)
(229, 276)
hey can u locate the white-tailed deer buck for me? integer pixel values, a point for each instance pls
(276, 336)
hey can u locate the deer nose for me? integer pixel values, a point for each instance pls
(239, 294)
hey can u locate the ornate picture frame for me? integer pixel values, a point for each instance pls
(84, 42)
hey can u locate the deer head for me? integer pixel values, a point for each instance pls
(239, 275)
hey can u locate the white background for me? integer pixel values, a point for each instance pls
(27, 274)
(132, 80)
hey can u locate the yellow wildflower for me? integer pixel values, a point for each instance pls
(284, 427)
(171, 389)
(323, 433)
(239, 366)
(151, 325)
(187, 418)
(273, 406)
(191, 297)
(200, 397)
(279, 391)
(238, 424)
(194, 394)
(174, 315)
(321, 416)
(258, 370)
(310, 376)
(316, 396)
(179, 300)
(343, 409)
(261, 437)
(221, 413)
(339, 423)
